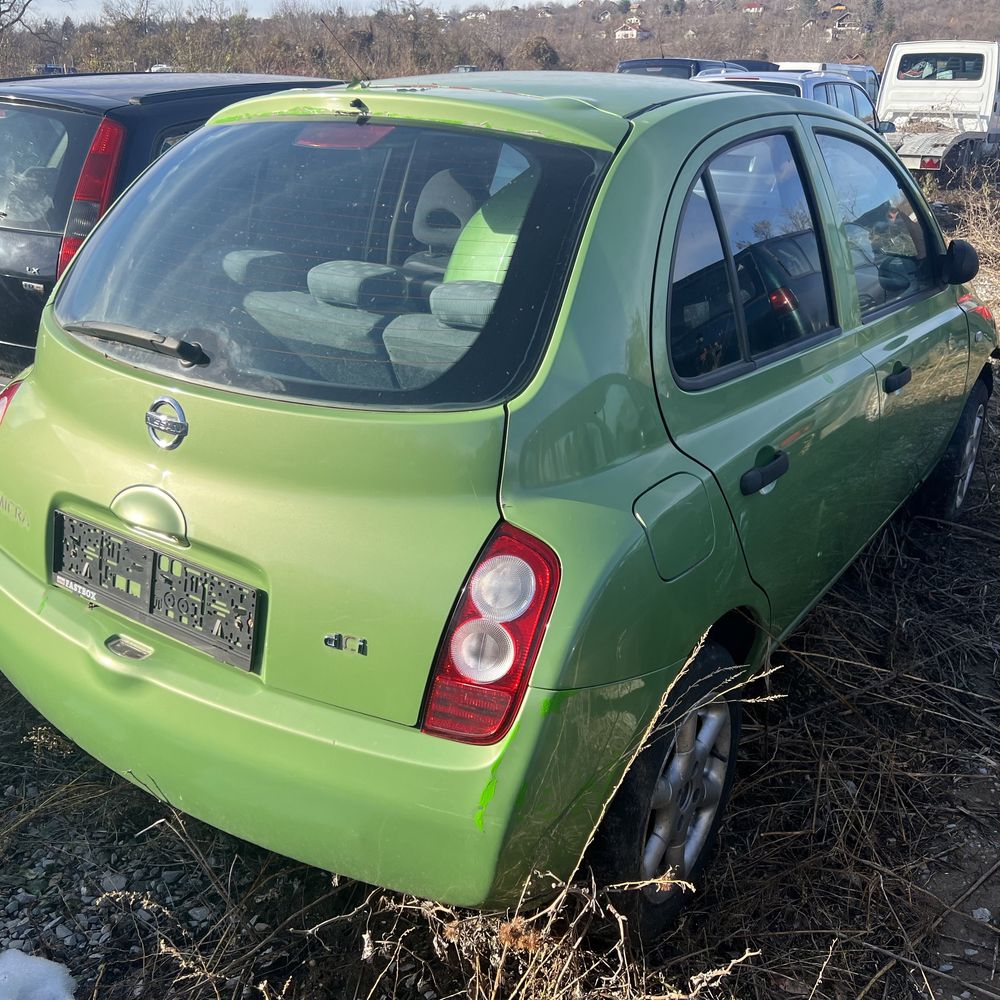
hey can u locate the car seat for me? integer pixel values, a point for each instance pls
(422, 347)
(444, 207)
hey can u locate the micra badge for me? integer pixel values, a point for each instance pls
(348, 643)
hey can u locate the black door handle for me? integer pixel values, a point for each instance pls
(896, 381)
(755, 479)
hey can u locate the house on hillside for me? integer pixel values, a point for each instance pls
(753, 8)
(632, 33)
(545, 11)
(605, 15)
(848, 21)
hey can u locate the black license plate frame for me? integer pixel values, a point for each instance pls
(202, 608)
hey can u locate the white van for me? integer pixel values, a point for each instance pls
(942, 97)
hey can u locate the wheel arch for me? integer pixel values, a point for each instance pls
(986, 374)
(742, 635)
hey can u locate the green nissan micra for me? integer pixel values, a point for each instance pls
(390, 448)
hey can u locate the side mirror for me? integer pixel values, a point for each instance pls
(884, 128)
(961, 262)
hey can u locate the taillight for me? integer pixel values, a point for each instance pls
(93, 190)
(492, 640)
(783, 300)
(6, 396)
(930, 163)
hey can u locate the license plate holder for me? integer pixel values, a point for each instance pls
(200, 607)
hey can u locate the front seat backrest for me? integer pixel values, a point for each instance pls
(443, 208)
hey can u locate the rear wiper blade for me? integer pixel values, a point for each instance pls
(186, 351)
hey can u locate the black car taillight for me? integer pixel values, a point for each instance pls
(492, 640)
(93, 190)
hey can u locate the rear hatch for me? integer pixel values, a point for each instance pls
(273, 381)
(41, 152)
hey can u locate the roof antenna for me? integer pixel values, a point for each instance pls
(363, 113)
(362, 74)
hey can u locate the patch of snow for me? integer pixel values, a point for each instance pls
(23, 977)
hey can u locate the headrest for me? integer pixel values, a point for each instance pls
(357, 283)
(466, 305)
(443, 208)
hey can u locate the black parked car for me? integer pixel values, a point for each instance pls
(68, 146)
(677, 68)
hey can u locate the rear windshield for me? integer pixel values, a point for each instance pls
(940, 66)
(676, 71)
(791, 89)
(41, 153)
(337, 262)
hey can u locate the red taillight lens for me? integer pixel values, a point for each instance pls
(6, 396)
(492, 640)
(93, 189)
(930, 163)
(783, 301)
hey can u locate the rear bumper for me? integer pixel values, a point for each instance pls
(370, 799)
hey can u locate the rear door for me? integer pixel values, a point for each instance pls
(908, 322)
(757, 380)
(41, 152)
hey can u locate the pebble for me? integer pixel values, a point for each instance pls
(982, 913)
(945, 967)
(170, 877)
(969, 952)
(113, 883)
(199, 913)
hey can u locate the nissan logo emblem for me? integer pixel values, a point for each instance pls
(166, 423)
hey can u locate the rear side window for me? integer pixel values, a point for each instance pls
(940, 66)
(748, 275)
(887, 237)
(345, 263)
(41, 153)
(843, 98)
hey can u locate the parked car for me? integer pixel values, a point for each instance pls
(387, 467)
(829, 88)
(674, 68)
(944, 95)
(757, 65)
(867, 76)
(68, 146)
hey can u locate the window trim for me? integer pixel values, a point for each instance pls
(932, 233)
(747, 364)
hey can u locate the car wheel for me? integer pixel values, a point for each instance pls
(666, 813)
(944, 494)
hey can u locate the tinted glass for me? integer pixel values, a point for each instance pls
(772, 237)
(789, 89)
(703, 333)
(865, 110)
(41, 153)
(940, 66)
(337, 262)
(887, 236)
(674, 72)
(843, 97)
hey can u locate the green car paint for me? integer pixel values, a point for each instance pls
(365, 521)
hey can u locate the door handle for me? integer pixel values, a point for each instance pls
(755, 479)
(896, 381)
